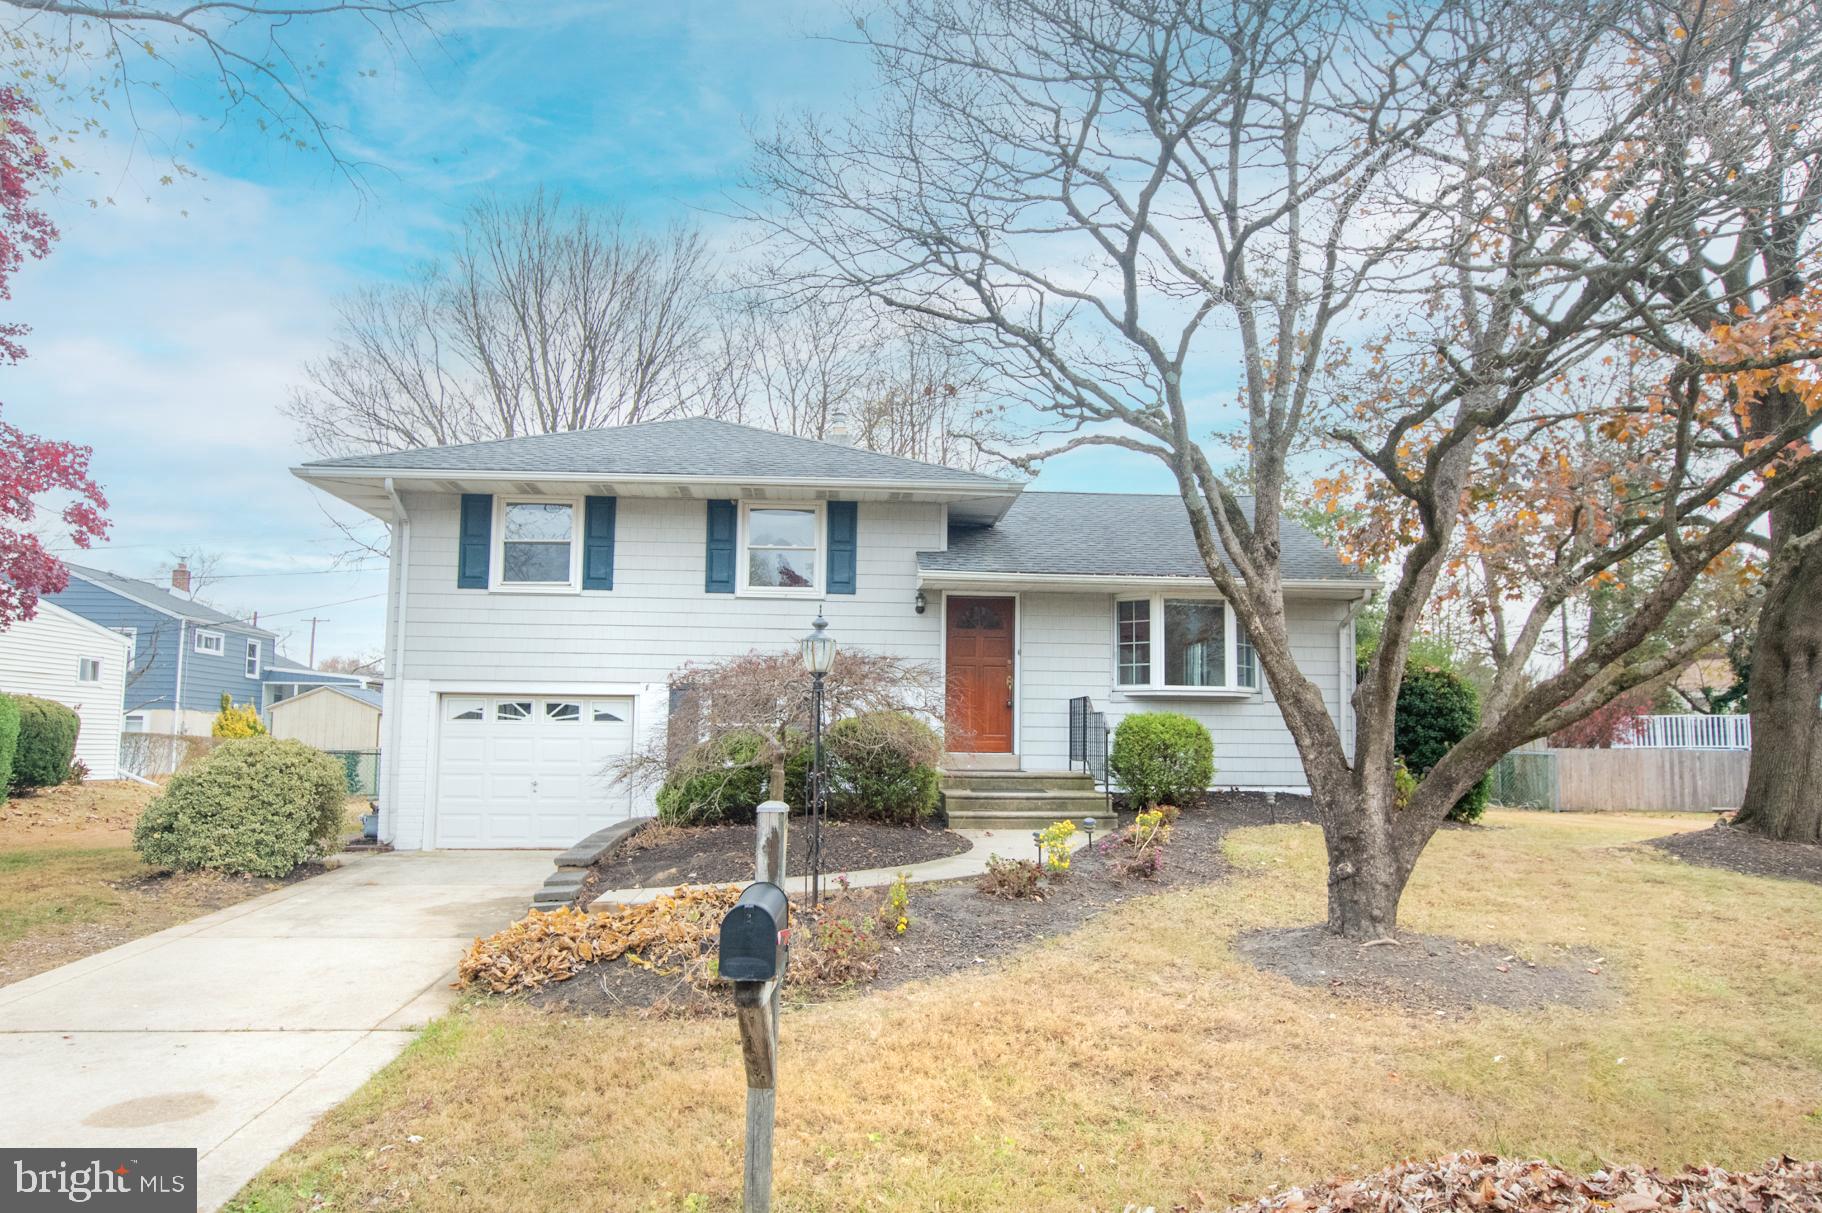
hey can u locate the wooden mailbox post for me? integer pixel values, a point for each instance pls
(756, 997)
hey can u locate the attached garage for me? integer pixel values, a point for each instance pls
(529, 770)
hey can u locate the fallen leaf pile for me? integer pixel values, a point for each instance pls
(554, 945)
(1487, 1181)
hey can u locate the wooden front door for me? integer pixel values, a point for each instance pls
(979, 663)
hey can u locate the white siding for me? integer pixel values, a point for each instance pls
(629, 640)
(41, 657)
(1067, 650)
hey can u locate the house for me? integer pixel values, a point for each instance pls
(543, 589)
(333, 716)
(59, 655)
(286, 678)
(184, 654)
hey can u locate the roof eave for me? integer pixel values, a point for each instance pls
(1312, 587)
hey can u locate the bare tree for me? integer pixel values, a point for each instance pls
(80, 56)
(542, 317)
(1107, 197)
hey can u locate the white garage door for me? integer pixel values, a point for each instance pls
(529, 770)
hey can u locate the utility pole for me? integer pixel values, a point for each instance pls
(313, 621)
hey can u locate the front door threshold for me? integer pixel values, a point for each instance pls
(980, 762)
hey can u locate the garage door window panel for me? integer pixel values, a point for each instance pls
(512, 709)
(457, 708)
(562, 712)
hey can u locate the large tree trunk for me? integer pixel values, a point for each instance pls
(1784, 786)
(1367, 873)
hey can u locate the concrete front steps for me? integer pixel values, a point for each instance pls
(1019, 800)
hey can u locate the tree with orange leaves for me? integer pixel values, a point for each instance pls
(1104, 202)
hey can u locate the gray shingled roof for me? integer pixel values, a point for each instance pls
(686, 446)
(1109, 535)
(155, 596)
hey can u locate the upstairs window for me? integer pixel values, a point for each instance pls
(88, 669)
(211, 643)
(537, 543)
(783, 548)
(252, 659)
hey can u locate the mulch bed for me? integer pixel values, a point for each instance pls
(1428, 972)
(956, 926)
(1487, 1181)
(663, 857)
(1738, 850)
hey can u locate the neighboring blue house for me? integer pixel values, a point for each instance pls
(184, 654)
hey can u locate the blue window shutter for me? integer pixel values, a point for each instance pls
(843, 528)
(598, 544)
(475, 542)
(722, 529)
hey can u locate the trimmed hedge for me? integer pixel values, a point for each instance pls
(723, 781)
(255, 805)
(1436, 709)
(46, 744)
(882, 767)
(1162, 758)
(9, 740)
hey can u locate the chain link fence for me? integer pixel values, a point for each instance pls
(363, 769)
(1527, 779)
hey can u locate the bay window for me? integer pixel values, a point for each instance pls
(1202, 646)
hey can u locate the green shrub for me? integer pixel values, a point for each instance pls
(1162, 758)
(9, 740)
(235, 720)
(1436, 709)
(724, 781)
(46, 745)
(882, 767)
(254, 805)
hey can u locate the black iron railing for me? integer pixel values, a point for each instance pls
(1088, 744)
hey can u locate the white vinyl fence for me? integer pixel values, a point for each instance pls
(1690, 732)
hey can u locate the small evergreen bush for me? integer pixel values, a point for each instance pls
(882, 767)
(254, 805)
(9, 740)
(725, 780)
(1436, 709)
(1162, 758)
(46, 743)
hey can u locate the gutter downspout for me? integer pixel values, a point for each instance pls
(1344, 643)
(177, 721)
(395, 657)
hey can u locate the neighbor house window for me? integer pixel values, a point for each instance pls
(537, 543)
(132, 635)
(1203, 648)
(252, 659)
(135, 723)
(88, 669)
(211, 643)
(783, 548)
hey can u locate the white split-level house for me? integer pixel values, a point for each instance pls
(59, 655)
(543, 589)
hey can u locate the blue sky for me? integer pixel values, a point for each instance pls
(171, 323)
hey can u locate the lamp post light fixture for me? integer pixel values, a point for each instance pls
(818, 658)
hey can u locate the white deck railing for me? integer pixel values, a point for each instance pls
(1691, 731)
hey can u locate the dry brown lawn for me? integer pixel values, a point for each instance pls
(71, 884)
(1138, 1062)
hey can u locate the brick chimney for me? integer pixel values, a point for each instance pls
(180, 577)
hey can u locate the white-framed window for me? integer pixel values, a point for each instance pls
(132, 635)
(133, 723)
(212, 643)
(88, 669)
(781, 549)
(252, 659)
(512, 709)
(537, 544)
(1175, 643)
(607, 711)
(567, 710)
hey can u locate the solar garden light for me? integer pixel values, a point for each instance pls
(1037, 840)
(1271, 806)
(818, 658)
(1088, 824)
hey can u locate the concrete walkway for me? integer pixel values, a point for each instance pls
(982, 846)
(234, 1032)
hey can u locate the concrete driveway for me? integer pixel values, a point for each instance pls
(234, 1032)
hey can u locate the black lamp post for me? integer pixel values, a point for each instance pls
(818, 658)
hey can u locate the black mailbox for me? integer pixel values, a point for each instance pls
(755, 934)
